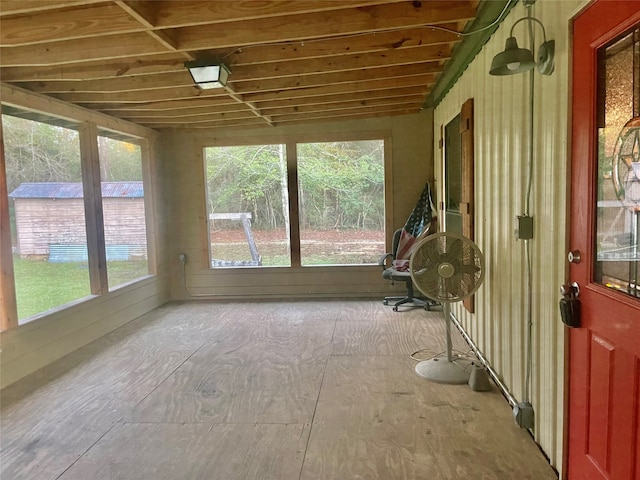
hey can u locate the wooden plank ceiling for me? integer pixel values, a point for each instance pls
(291, 61)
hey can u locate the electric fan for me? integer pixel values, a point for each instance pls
(446, 267)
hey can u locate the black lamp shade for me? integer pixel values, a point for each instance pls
(512, 60)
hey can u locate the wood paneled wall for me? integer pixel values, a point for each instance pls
(409, 148)
(501, 133)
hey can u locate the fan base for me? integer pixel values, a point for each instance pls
(440, 370)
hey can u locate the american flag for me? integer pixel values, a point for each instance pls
(418, 225)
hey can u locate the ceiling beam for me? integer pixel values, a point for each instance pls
(293, 69)
(378, 18)
(345, 88)
(235, 34)
(171, 62)
(328, 79)
(94, 20)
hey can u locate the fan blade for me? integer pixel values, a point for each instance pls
(453, 287)
(425, 276)
(431, 255)
(419, 260)
(471, 269)
(452, 250)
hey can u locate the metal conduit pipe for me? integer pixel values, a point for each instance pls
(492, 373)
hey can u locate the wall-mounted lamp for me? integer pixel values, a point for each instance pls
(208, 73)
(515, 60)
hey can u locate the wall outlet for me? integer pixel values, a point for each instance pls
(182, 257)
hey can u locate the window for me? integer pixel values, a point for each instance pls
(247, 205)
(47, 221)
(329, 194)
(341, 195)
(125, 231)
(52, 217)
(617, 234)
(453, 175)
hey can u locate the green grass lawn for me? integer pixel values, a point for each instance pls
(41, 286)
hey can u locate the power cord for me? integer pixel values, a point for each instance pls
(183, 260)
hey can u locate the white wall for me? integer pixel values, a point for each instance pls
(501, 135)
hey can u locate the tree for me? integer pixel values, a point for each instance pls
(341, 184)
(37, 152)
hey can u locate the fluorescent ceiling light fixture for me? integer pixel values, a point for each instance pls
(208, 73)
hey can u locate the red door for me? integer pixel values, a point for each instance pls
(604, 362)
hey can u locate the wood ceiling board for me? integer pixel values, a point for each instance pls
(135, 116)
(345, 97)
(79, 51)
(164, 94)
(114, 85)
(319, 48)
(172, 62)
(21, 7)
(302, 58)
(340, 63)
(252, 121)
(415, 100)
(289, 28)
(175, 13)
(169, 105)
(307, 82)
(203, 118)
(296, 68)
(345, 115)
(145, 12)
(90, 21)
(356, 109)
(97, 69)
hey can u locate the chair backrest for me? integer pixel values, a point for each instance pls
(396, 241)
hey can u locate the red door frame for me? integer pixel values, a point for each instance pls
(604, 312)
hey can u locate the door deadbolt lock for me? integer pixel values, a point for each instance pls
(574, 256)
(570, 291)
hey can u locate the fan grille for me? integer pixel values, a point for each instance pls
(447, 267)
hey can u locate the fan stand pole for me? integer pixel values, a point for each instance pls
(447, 322)
(455, 370)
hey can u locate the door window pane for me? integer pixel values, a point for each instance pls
(618, 202)
(47, 215)
(125, 231)
(247, 206)
(341, 196)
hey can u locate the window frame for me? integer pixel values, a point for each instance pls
(290, 142)
(89, 129)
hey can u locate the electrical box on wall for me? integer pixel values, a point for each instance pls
(524, 227)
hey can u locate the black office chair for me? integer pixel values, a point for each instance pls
(391, 273)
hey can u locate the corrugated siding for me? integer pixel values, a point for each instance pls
(501, 111)
(74, 190)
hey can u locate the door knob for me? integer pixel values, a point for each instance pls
(574, 256)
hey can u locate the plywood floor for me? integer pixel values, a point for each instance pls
(271, 391)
